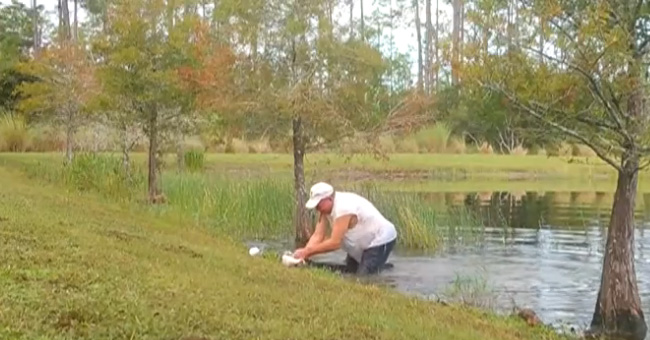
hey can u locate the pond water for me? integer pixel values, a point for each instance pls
(542, 251)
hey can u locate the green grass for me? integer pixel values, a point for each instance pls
(76, 266)
(431, 166)
(14, 134)
(259, 208)
(440, 166)
(472, 290)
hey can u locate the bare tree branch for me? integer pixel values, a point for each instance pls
(644, 165)
(596, 91)
(590, 121)
(636, 13)
(584, 117)
(535, 113)
(409, 113)
(617, 102)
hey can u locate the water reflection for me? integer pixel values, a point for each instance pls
(554, 271)
(542, 250)
(534, 209)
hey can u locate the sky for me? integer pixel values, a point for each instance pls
(404, 37)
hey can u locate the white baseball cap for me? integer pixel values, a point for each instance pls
(318, 191)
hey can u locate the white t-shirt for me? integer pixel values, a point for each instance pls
(372, 228)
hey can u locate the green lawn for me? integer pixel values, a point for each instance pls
(470, 165)
(461, 165)
(76, 267)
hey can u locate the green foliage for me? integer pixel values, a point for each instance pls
(16, 38)
(434, 139)
(16, 33)
(104, 174)
(66, 85)
(14, 134)
(194, 160)
(101, 174)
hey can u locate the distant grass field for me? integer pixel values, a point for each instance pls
(75, 266)
(456, 165)
(453, 165)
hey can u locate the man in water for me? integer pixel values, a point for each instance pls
(357, 227)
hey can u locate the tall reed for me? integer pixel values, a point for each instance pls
(249, 208)
(260, 207)
(422, 225)
(14, 134)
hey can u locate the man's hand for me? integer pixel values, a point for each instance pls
(334, 242)
(300, 253)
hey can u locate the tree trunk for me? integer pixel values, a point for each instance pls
(301, 220)
(69, 136)
(541, 40)
(180, 154)
(215, 12)
(76, 22)
(618, 310)
(64, 17)
(126, 160)
(171, 13)
(351, 20)
(455, 54)
(428, 65)
(436, 43)
(618, 307)
(35, 25)
(418, 32)
(154, 189)
(362, 32)
(461, 32)
(330, 15)
(69, 141)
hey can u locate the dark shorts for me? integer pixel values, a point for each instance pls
(372, 260)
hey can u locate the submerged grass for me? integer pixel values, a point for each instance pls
(258, 208)
(472, 290)
(75, 266)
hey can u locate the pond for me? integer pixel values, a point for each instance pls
(543, 251)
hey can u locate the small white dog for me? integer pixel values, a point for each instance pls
(289, 261)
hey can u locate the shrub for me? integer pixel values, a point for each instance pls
(14, 134)
(194, 160)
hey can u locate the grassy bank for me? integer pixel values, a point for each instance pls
(397, 166)
(259, 208)
(76, 266)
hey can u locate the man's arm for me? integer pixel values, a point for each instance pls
(319, 232)
(339, 228)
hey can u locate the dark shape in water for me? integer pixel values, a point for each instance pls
(339, 267)
(529, 316)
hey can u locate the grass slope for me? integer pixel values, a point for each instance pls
(74, 267)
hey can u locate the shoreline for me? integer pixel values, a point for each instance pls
(129, 264)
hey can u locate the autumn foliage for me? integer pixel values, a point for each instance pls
(209, 76)
(67, 81)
